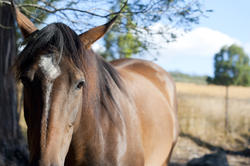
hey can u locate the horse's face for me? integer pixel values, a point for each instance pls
(52, 103)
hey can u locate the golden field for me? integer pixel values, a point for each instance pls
(202, 113)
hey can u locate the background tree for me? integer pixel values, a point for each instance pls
(231, 67)
(125, 44)
(12, 148)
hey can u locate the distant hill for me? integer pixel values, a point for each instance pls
(181, 77)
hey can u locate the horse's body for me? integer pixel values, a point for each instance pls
(153, 92)
(82, 110)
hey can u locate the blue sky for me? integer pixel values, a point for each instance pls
(193, 52)
(230, 17)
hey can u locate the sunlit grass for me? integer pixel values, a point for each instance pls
(202, 113)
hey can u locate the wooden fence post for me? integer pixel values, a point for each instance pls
(226, 111)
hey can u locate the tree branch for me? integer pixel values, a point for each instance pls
(54, 9)
(5, 27)
(58, 9)
(5, 2)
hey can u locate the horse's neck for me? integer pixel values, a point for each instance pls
(104, 97)
(102, 127)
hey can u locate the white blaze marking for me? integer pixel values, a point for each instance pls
(49, 69)
(45, 114)
(51, 72)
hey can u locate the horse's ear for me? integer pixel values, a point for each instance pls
(90, 36)
(26, 26)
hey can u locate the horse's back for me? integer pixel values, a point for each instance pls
(153, 92)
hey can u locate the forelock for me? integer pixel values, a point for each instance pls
(55, 40)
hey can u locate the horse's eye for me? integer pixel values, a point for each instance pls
(80, 84)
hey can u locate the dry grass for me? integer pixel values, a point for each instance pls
(202, 114)
(235, 92)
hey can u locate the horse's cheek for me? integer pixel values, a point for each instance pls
(75, 106)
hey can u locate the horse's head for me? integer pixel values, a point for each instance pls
(52, 70)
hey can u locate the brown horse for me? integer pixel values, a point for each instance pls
(82, 110)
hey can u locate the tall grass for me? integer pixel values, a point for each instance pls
(202, 113)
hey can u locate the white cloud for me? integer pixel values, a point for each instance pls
(98, 46)
(201, 41)
(246, 47)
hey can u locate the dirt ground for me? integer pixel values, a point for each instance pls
(188, 148)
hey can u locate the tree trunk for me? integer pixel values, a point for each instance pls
(12, 149)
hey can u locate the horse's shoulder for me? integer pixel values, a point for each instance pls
(146, 68)
(134, 64)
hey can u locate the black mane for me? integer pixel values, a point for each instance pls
(56, 38)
